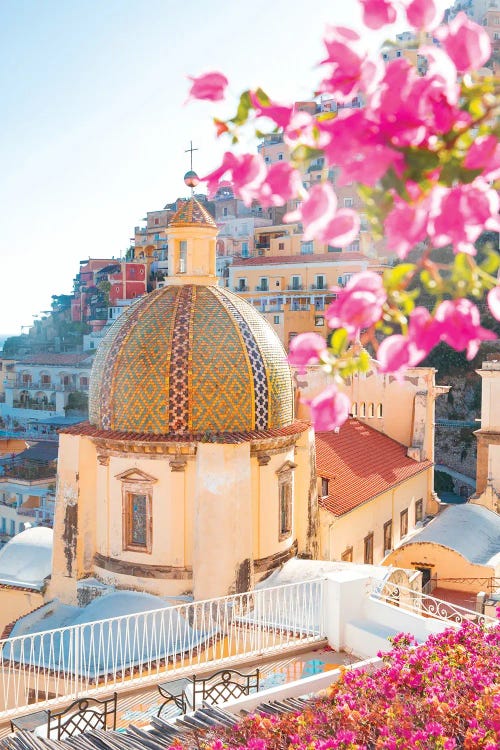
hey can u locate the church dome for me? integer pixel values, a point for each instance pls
(190, 359)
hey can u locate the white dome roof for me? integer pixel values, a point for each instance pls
(26, 560)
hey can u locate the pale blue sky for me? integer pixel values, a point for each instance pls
(94, 124)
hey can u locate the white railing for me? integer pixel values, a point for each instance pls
(426, 605)
(48, 667)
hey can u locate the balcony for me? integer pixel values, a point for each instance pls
(41, 386)
(32, 403)
(262, 288)
(139, 650)
(319, 287)
(295, 287)
(241, 288)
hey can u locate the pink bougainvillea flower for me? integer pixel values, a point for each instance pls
(467, 43)
(406, 225)
(358, 305)
(278, 113)
(306, 349)
(282, 183)
(304, 127)
(248, 172)
(378, 13)
(459, 214)
(424, 333)
(460, 326)
(394, 355)
(349, 69)
(424, 14)
(321, 219)
(209, 86)
(484, 154)
(329, 410)
(494, 302)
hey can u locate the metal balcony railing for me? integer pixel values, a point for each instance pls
(140, 649)
(295, 287)
(243, 288)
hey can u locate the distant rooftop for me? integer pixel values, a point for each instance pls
(55, 358)
(302, 260)
(363, 463)
(469, 529)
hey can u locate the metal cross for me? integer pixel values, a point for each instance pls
(191, 149)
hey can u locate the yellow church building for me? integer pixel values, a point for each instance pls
(192, 475)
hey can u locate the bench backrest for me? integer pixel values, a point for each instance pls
(82, 715)
(223, 685)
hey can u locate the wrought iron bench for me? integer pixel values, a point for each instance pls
(190, 692)
(80, 716)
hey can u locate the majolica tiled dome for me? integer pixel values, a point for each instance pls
(190, 359)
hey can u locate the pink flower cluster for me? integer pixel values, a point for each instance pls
(442, 694)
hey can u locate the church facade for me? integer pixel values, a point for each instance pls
(193, 475)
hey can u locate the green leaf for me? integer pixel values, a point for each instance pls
(395, 278)
(244, 107)
(304, 153)
(262, 97)
(339, 341)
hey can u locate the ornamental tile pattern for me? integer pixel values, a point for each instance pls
(279, 377)
(190, 360)
(192, 212)
(220, 381)
(256, 362)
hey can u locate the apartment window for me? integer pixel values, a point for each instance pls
(281, 245)
(348, 202)
(244, 250)
(280, 157)
(419, 510)
(224, 211)
(368, 545)
(319, 321)
(353, 247)
(346, 555)
(296, 282)
(320, 282)
(242, 283)
(306, 248)
(45, 379)
(137, 521)
(387, 536)
(157, 221)
(182, 256)
(264, 284)
(324, 487)
(267, 159)
(276, 320)
(403, 523)
(12, 528)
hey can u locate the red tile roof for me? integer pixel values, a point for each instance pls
(360, 463)
(85, 428)
(303, 260)
(54, 358)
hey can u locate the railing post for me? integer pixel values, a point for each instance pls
(76, 661)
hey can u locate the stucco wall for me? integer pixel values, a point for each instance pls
(350, 529)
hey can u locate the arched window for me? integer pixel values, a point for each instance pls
(362, 409)
(354, 409)
(371, 410)
(379, 411)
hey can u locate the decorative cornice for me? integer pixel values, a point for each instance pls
(142, 570)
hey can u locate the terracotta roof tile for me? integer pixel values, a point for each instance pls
(85, 428)
(360, 463)
(302, 260)
(192, 212)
